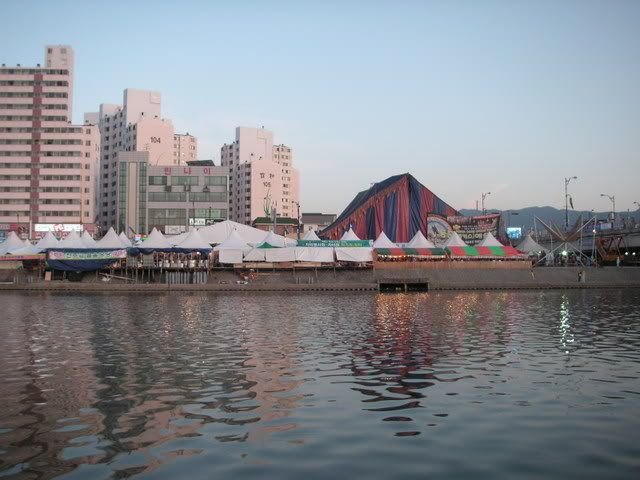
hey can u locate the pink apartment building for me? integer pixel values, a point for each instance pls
(185, 148)
(47, 165)
(135, 126)
(261, 176)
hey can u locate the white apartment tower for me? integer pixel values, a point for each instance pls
(47, 165)
(261, 176)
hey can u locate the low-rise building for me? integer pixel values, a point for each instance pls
(316, 221)
(169, 198)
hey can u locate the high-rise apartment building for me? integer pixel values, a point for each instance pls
(134, 126)
(185, 148)
(261, 176)
(47, 165)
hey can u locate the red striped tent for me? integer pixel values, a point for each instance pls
(484, 252)
(399, 206)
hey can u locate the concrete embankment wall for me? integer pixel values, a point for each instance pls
(545, 277)
(361, 280)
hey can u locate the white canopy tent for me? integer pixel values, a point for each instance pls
(490, 241)
(280, 254)
(311, 235)
(455, 241)
(233, 242)
(73, 240)
(48, 241)
(314, 254)
(88, 240)
(349, 235)
(420, 241)
(354, 254)
(12, 243)
(232, 248)
(255, 255)
(383, 241)
(275, 240)
(194, 241)
(155, 241)
(219, 232)
(110, 240)
(125, 240)
(529, 245)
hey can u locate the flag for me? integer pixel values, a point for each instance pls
(571, 203)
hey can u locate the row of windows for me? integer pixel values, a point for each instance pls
(40, 154)
(31, 118)
(43, 130)
(33, 71)
(75, 178)
(43, 189)
(32, 83)
(48, 141)
(32, 94)
(184, 197)
(42, 213)
(42, 165)
(41, 201)
(31, 106)
(187, 180)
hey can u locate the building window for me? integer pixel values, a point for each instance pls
(157, 180)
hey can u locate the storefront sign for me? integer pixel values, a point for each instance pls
(89, 255)
(58, 227)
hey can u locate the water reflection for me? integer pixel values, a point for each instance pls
(115, 385)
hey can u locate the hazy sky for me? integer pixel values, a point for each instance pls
(468, 96)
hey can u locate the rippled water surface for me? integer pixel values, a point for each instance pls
(482, 385)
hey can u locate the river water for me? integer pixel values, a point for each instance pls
(483, 385)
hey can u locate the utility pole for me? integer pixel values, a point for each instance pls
(484, 195)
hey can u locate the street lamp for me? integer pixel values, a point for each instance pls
(567, 180)
(297, 204)
(613, 201)
(484, 195)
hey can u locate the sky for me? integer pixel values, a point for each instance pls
(508, 97)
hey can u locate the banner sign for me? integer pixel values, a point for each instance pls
(19, 258)
(88, 255)
(438, 230)
(473, 229)
(334, 243)
(58, 227)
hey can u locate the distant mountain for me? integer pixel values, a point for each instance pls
(525, 217)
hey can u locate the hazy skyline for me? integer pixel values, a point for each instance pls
(469, 97)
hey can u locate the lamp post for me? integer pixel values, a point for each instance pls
(484, 195)
(298, 217)
(567, 180)
(613, 201)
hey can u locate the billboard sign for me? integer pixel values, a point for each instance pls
(514, 233)
(473, 229)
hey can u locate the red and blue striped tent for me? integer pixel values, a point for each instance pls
(399, 206)
(483, 252)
